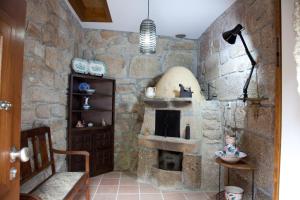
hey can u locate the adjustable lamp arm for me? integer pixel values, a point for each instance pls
(253, 63)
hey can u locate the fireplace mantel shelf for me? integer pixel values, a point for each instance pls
(169, 139)
(164, 102)
(191, 146)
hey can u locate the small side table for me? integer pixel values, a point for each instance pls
(241, 165)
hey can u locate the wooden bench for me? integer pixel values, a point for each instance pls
(58, 185)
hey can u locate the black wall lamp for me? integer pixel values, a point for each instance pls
(230, 37)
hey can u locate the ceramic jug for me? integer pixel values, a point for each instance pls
(150, 92)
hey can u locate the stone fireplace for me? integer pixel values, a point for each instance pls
(166, 158)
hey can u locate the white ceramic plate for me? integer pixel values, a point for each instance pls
(80, 65)
(97, 68)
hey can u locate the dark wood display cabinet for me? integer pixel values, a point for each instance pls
(98, 140)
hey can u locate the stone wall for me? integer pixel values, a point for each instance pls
(212, 141)
(51, 40)
(133, 72)
(226, 68)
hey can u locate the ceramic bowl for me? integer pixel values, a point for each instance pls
(90, 91)
(233, 193)
(231, 159)
(83, 86)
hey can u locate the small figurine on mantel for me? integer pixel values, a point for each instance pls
(185, 92)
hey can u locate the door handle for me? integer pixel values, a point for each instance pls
(5, 105)
(23, 154)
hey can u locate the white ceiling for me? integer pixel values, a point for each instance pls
(190, 17)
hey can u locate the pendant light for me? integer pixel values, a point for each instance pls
(147, 36)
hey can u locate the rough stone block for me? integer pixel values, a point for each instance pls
(212, 134)
(210, 169)
(33, 30)
(125, 88)
(183, 45)
(145, 67)
(179, 59)
(133, 38)
(115, 65)
(147, 159)
(43, 111)
(191, 169)
(167, 179)
(212, 67)
(58, 110)
(260, 120)
(39, 94)
(211, 125)
(33, 47)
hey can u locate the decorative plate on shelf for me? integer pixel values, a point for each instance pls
(80, 66)
(231, 159)
(97, 68)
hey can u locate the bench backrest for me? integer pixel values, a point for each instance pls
(39, 142)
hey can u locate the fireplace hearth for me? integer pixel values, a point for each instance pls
(170, 160)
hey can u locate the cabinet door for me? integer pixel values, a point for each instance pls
(80, 142)
(103, 161)
(103, 152)
(103, 140)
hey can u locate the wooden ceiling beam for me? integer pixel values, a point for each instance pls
(91, 10)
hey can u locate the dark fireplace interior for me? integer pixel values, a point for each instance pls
(170, 160)
(167, 123)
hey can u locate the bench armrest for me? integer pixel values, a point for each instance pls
(28, 197)
(83, 153)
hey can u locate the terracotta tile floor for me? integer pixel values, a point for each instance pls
(124, 186)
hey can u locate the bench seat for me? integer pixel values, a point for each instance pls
(58, 186)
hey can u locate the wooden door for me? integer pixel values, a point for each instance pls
(12, 20)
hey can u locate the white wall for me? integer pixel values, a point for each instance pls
(290, 152)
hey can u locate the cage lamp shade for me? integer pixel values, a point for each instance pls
(147, 37)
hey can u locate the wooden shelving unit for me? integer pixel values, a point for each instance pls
(97, 140)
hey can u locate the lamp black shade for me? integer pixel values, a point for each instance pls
(230, 36)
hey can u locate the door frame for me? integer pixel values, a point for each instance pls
(278, 102)
(15, 12)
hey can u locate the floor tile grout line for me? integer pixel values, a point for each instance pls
(120, 176)
(97, 188)
(139, 191)
(185, 197)
(162, 196)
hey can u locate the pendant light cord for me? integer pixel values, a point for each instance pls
(148, 9)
